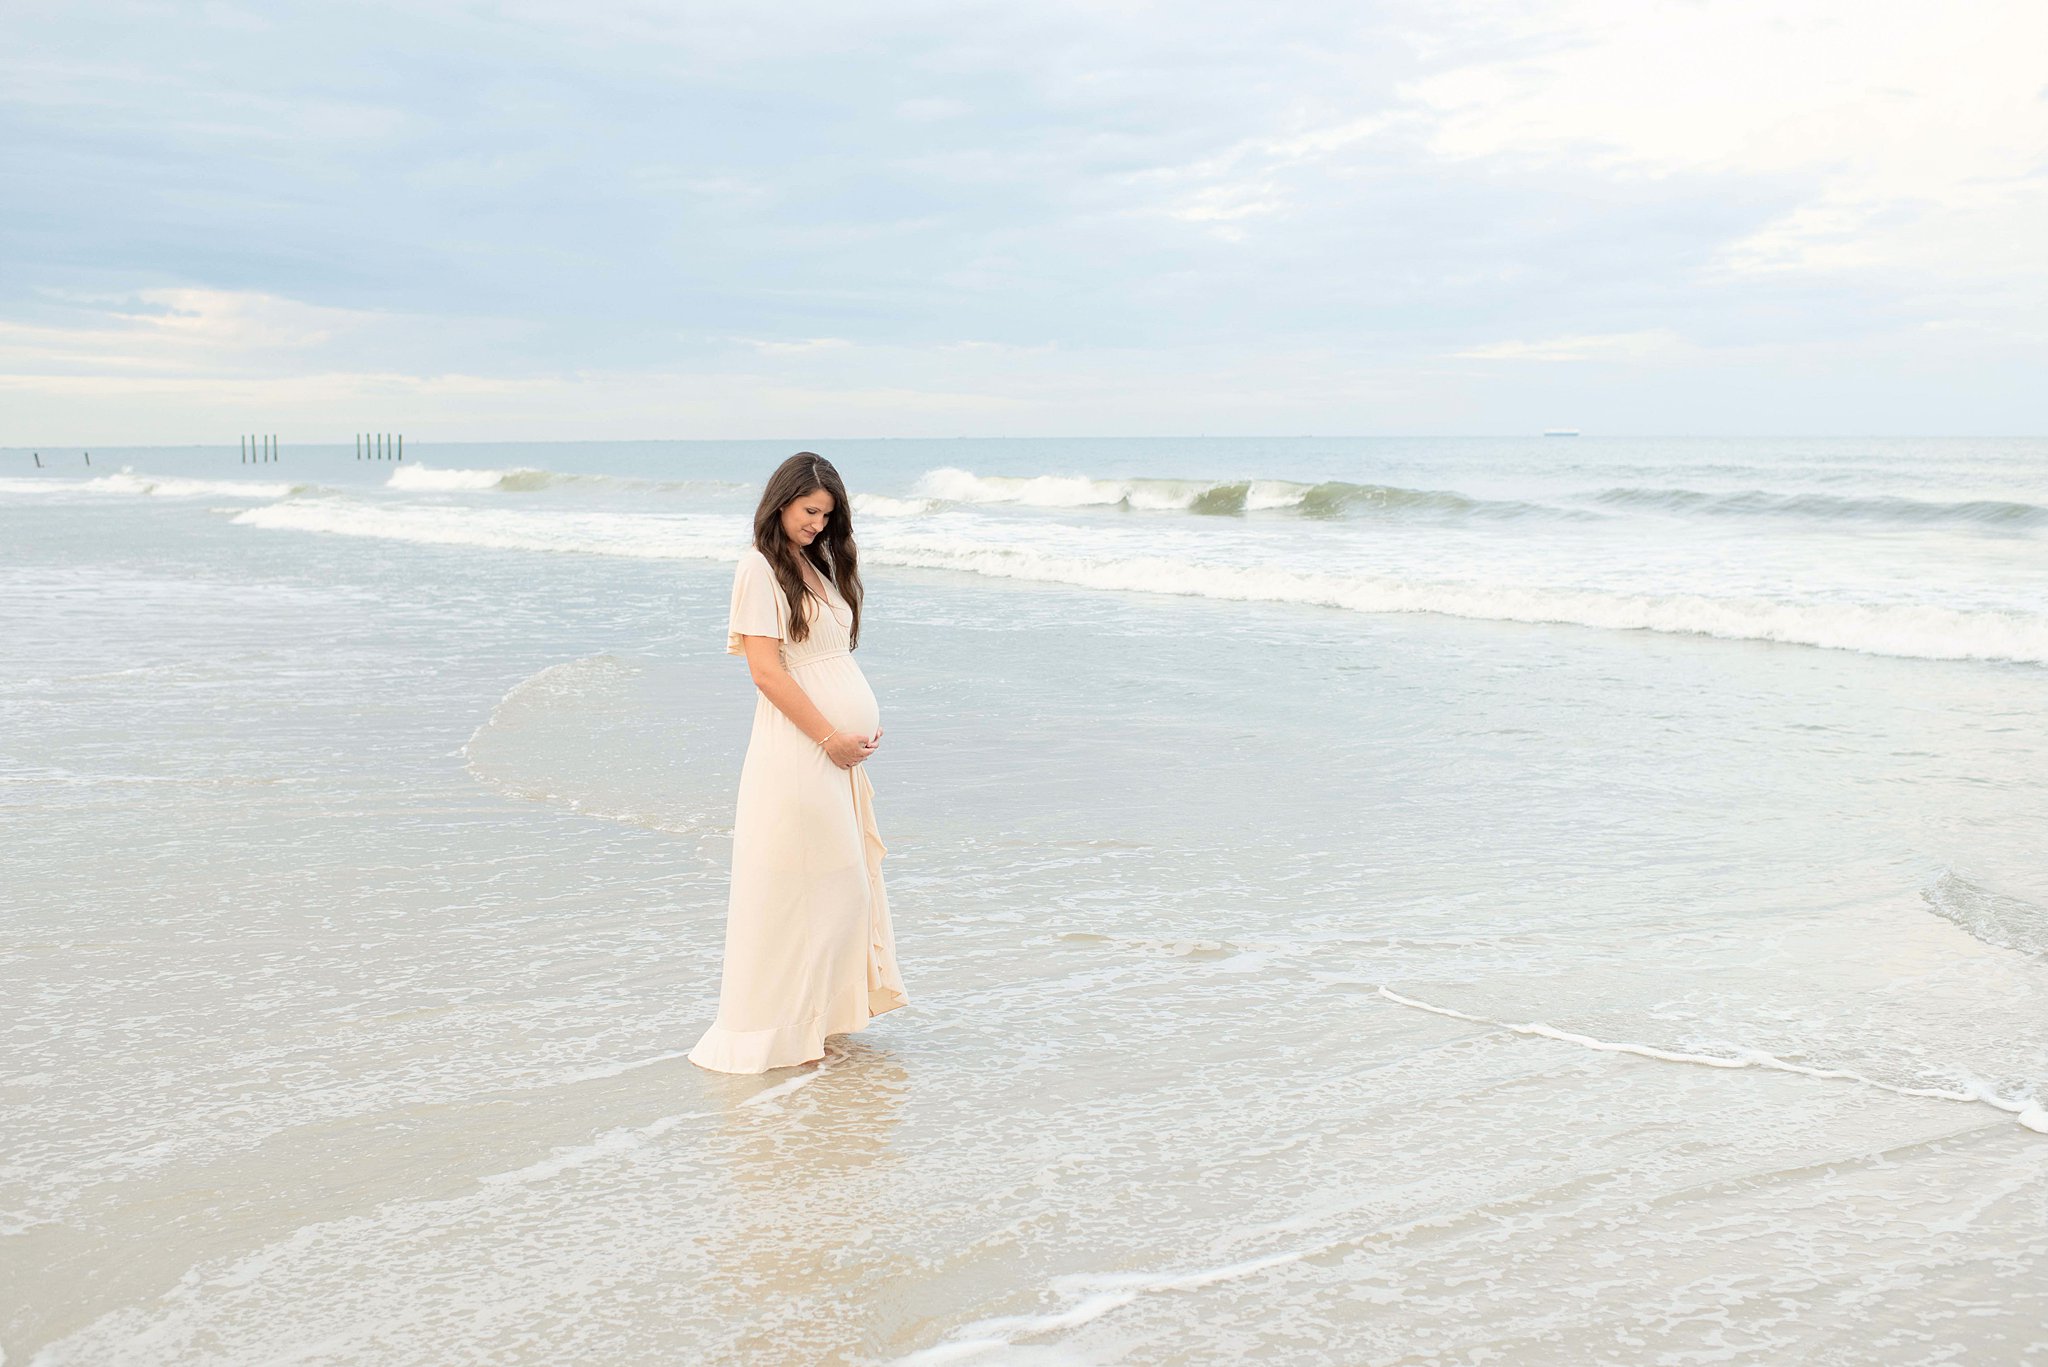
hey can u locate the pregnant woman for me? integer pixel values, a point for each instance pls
(809, 950)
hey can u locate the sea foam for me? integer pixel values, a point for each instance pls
(438, 480)
(129, 482)
(1920, 631)
(881, 505)
(701, 536)
(2029, 1111)
(1328, 498)
(1817, 507)
(1342, 498)
(1910, 630)
(1997, 920)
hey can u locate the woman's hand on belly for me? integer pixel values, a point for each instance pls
(847, 748)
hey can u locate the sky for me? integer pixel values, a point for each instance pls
(526, 219)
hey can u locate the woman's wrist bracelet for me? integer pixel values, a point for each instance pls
(822, 739)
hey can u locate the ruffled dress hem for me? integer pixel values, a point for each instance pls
(786, 1046)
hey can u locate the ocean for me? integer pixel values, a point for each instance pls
(1366, 901)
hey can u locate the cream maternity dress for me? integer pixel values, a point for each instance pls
(809, 950)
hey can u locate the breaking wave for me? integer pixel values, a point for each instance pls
(1330, 498)
(429, 479)
(1982, 512)
(1919, 631)
(2004, 922)
(435, 479)
(1339, 498)
(128, 481)
(881, 505)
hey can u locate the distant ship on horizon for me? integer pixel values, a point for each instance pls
(1560, 431)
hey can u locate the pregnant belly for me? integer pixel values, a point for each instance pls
(841, 692)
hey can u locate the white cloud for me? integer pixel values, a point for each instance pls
(798, 347)
(1000, 348)
(1916, 134)
(1257, 177)
(1654, 344)
(174, 330)
(1453, 204)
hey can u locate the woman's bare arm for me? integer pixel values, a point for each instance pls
(764, 662)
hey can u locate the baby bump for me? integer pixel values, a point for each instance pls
(841, 692)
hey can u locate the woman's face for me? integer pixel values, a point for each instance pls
(804, 518)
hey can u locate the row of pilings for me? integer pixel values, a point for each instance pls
(262, 449)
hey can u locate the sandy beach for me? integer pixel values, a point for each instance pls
(1295, 979)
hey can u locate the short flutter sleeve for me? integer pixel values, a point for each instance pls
(758, 605)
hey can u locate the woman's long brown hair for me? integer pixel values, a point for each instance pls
(832, 550)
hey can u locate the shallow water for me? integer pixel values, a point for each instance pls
(1290, 979)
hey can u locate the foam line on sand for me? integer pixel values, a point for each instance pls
(2029, 1113)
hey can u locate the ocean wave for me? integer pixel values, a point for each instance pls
(1340, 498)
(596, 736)
(2026, 1107)
(430, 479)
(1330, 498)
(128, 481)
(1997, 920)
(1915, 631)
(683, 536)
(881, 505)
(519, 479)
(1982, 512)
(493, 751)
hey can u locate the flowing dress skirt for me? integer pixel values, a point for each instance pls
(809, 950)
